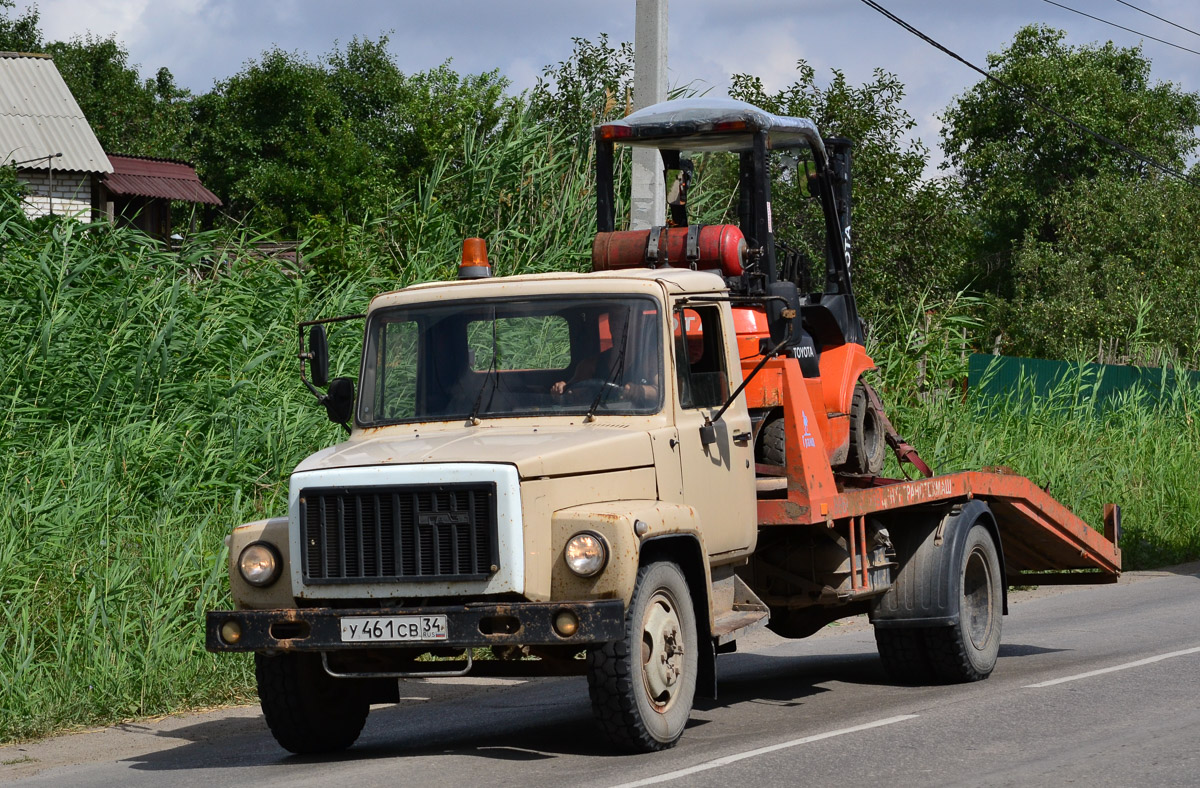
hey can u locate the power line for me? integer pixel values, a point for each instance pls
(1121, 27)
(1020, 94)
(1159, 18)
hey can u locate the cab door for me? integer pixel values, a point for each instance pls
(718, 478)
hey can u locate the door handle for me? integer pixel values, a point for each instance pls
(741, 437)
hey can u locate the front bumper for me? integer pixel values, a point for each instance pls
(518, 624)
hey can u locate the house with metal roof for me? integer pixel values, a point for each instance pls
(139, 191)
(44, 134)
(65, 171)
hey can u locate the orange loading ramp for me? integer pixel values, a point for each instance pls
(1042, 540)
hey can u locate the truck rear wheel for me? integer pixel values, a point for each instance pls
(962, 652)
(967, 651)
(307, 710)
(902, 652)
(642, 686)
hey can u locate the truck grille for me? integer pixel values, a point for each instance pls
(425, 532)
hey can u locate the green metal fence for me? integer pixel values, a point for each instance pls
(1008, 375)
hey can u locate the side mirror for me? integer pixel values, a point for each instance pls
(783, 311)
(339, 402)
(318, 356)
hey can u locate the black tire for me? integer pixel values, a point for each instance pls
(967, 651)
(867, 445)
(962, 652)
(307, 710)
(643, 685)
(771, 447)
(903, 654)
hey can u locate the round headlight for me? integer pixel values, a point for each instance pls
(586, 554)
(260, 564)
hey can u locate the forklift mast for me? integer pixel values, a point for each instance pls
(706, 125)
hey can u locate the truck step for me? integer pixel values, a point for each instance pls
(735, 606)
(737, 620)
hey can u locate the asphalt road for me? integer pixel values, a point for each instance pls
(1096, 686)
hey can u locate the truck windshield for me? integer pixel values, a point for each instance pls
(488, 359)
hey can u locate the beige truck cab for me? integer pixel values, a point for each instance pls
(532, 466)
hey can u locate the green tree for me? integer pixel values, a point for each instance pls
(107, 88)
(295, 139)
(442, 108)
(1013, 157)
(412, 121)
(908, 232)
(22, 33)
(274, 138)
(371, 91)
(591, 86)
(1119, 279)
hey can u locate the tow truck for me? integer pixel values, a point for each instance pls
(616, 473)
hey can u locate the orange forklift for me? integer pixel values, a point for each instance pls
(867, 544)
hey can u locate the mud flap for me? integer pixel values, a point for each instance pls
(927, 590)
(706, 673)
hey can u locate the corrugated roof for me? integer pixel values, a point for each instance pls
(171, 180)
(40, 117)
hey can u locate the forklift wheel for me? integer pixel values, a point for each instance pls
(867, 446)
(771, 449)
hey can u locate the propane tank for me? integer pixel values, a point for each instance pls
(704, 247)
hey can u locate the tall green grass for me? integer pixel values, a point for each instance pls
(1134, 449)
(149, 401)
(144, 411)
(529, 193)
(1130, 449)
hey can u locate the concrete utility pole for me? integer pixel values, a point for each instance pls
(648, 200)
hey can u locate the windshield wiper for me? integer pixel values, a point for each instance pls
(474, 417)
(617, 369)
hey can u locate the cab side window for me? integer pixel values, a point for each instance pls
(700, 357)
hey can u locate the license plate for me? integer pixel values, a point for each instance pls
(371, 629)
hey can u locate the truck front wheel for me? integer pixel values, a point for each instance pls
(642, 686)
(307, 710)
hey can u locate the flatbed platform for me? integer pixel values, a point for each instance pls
(1042, 540)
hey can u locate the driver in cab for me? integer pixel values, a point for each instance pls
(601, 367)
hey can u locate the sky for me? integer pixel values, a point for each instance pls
(203, 41)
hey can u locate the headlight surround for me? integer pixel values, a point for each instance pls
(586, 554)
(260, 564)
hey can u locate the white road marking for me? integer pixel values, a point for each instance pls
(741, 756)
(1090, 673)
